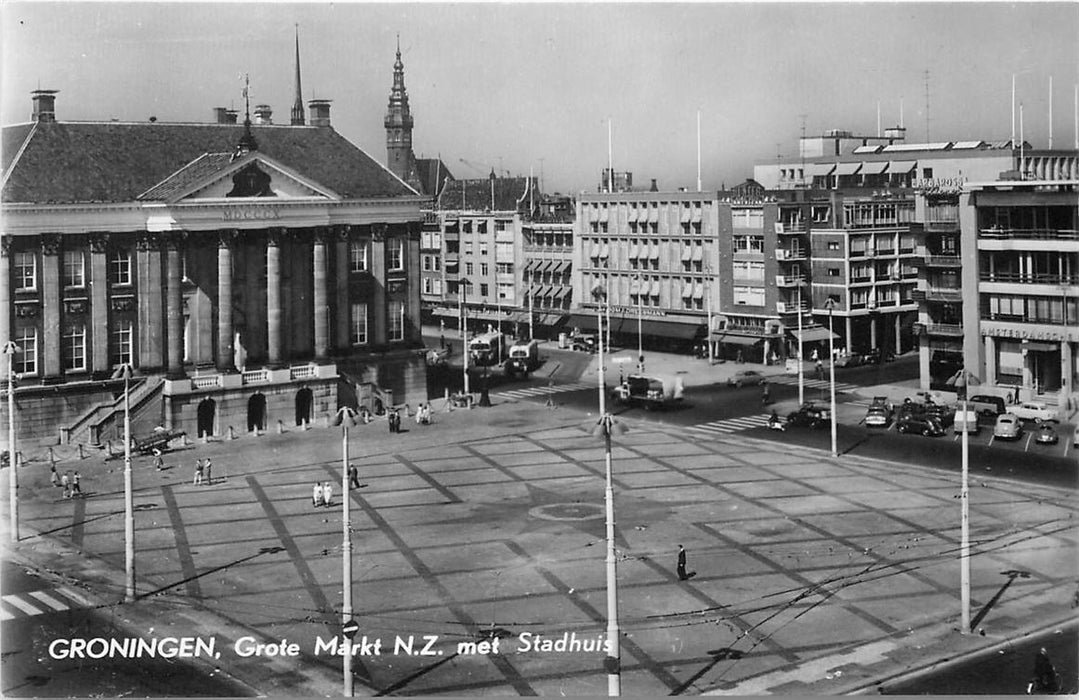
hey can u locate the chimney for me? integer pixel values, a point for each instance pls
(320, 112)
(263, 114)
(654, 187)
(44, 105)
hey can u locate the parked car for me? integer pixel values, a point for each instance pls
(945, 415)
(810, 415)
(920, 424)
(966, 421)
(1032, 410)
(1046, 435)
(1075, 437)
(587, 343)
(986, 404)
(746, 377)
(877, 356)
(880, 412)
(1008, 427)
(848, 360)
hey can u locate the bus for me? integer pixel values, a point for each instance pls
(487, 348)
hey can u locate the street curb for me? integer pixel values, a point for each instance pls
(946, 663)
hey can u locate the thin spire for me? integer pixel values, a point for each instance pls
(247, 141)
(297, 105)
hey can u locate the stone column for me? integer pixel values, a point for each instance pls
(174, 313)
(898, 332)
(148, 279)
(225, 358)
(99, 303)
(377, 315)
(273, 297)
(321, 295)
(50, 304)
(1066, 388)
(414, 331)
(850, 334)
(990, 376)
(341, 277)
(872, 331)
(6, 307)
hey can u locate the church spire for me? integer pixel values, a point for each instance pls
(399, 157)
(297, 105)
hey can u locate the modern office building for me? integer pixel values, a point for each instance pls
(1020, 277)
(249, 273)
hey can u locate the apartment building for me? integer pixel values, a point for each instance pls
(1020, 275)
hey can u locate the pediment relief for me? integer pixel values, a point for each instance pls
(215, 176)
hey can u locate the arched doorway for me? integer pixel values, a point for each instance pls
(304, 401)
(256, 412)
(207, 416)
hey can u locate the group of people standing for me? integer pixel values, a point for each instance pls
(69, 481)
(322, 493)
(203, 472)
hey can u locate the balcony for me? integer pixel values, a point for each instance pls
(1037, 278)
(1030, 234)
(790, 307)
(918, 295)
(862, 253)
(791, 227)
(952, 330)
(790, 254)
(948, 294)
(790, 281)
(943, 261)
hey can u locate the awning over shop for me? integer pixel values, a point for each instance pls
(671, 329)
(847, 168)
(531, 264)
(902, 167)
(810, 335)
(1040, 347)
(586, 322)
(552, 319)
(561, 292)
(745, 340)
(446, 313)
(874, 168)
(820, 169)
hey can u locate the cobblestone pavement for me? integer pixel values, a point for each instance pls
(811, 574)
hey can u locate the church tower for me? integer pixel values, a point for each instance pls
(297, 105)
(399, 157)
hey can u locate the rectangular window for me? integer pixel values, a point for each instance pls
(484, 269)
(74, 269)
(468, 268)
(504, 268)
(357, 255)
(749, 296)
(358, 324)
(74, 346)
(483, 249)
(427, 285)
(122, 337)
(120, 267)
(25, 361)
(395, 255)
(483, 289)
(25, 271)
(833, 272)
(396, 321)
(833, 245)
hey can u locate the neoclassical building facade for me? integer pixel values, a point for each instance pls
(249, 274)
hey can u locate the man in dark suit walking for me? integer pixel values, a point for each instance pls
(682, 575)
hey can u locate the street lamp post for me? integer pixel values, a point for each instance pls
(801, 364)
(13, 478)
(612, 662)
(830, 305)
(640, 335)
(346, 417)
(600, 294)
(962, 381)
(124, 371)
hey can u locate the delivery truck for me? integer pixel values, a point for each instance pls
(651, 391)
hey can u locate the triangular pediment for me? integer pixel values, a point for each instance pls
(223, 176)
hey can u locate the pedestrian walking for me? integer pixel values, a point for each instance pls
(316, 495)
(65, 481)
(327, 494)
(208, 467)
(159, 462)
(197, 481)
(54, 477)
(820, 370)
(682, 575)
(75, 487)
(740, 359)
(765, 394)
(353, 477)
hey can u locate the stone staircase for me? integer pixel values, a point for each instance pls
(105, 420)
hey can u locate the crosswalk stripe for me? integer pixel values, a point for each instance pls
(49, 600)
(5, 615)
(17, 602)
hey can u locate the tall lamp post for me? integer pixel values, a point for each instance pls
(961, 380)
(640, 335)
(462, 290)
(801, 364)
(346, 417)
(124, 371)
(830, 305)
(10, 349)
(612, 663)
(600, 294)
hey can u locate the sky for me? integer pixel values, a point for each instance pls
(520, 86)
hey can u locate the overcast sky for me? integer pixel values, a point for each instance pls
(518, 85)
